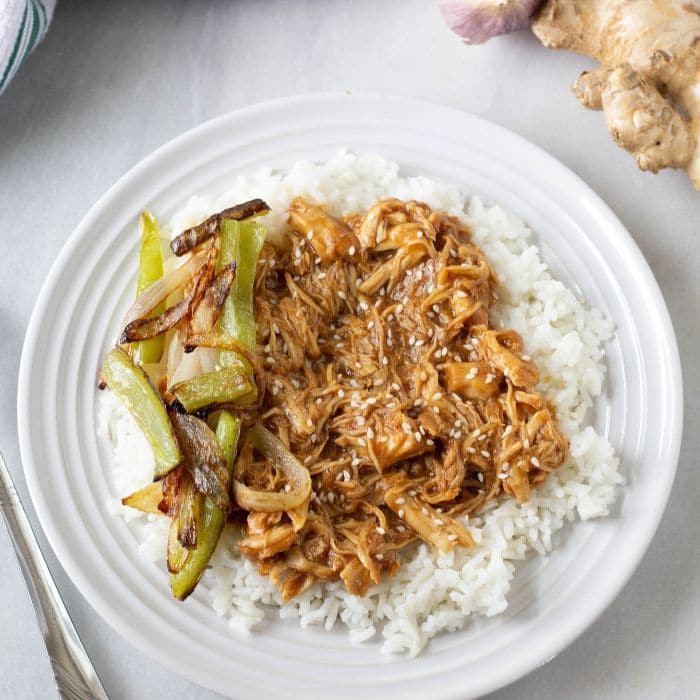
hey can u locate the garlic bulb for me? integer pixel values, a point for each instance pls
(476, 21)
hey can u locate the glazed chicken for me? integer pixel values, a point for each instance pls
(385, 378)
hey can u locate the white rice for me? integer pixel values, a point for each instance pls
(431, 593)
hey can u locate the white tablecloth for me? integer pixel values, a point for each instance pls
(114, 80)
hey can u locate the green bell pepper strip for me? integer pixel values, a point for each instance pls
(241, 242)
(211, 521)
(230, 385)
(131, 385)
(150, 270)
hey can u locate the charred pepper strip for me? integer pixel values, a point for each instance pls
(212, 519)
(230, 385)
(241, 242)
(130, 383)
(150, 270)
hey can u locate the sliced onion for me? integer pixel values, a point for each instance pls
(208, 307)
(296, 475)
(159, 291)
(145, 328)
(203, 457)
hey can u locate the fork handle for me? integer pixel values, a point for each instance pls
(75, 675)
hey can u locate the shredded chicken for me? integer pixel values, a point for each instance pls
(386, 380)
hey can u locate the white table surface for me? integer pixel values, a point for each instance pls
(114, 80)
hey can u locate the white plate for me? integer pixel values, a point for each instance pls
(553, 598)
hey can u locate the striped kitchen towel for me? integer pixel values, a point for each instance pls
(23, 24)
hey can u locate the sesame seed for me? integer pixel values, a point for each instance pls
(436, 409)
(383, 439)
(489, 378)
(370, 325)
(400, 528)
(400, 501)
(452, 537)
(267, 348)
(317, 260)
(342, 294)
(308, 459)
(508, 430)
(360, 420)
(437, 396)
(471, 450)
(418, 436)
(419, 234)
(480, 477)
(382, 292)
(371, 401)
(379, 556)
(412, 340)
(341, 394)
(399, 308)
(534, 461)
(526, 444)
(287, 487)
(364, 306)
(458, 434)
(505, 466)
(395, 387)
(412, 493)
(503, 475)
(309, 423)
(436, 308)
(458, 423)
(314, 437)
(424, 376)
(385, 361)
(481, 437)
(425, 511)
(439, 522)
(527, 358)
(431, 332)
(358, 365)
(401, 513)
(406, 426)
(390, 318)
(321, 276)
(331, 497)
(309, 236)
(430, 442)
(380, 530)
(351, 250)
(419, 343)
(476, 433)
(362, 442)
(418, 402)
(370, 433)
(486, 453)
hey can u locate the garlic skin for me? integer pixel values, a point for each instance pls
(476, 21)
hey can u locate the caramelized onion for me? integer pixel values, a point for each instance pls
(296, 475)
(159, 291)
(204, 458)
(192, 237)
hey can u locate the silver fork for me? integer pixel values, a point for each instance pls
(75, 675)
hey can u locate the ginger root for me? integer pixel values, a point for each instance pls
(648, 84)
